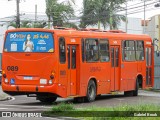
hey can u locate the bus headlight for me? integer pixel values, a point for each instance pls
(50, 82)
(6, 80)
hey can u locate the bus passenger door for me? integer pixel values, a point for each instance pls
(115, 71)
(71, 49)
(148, 66)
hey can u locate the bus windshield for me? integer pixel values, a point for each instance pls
(29, 42)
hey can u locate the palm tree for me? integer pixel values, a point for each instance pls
(59, 12)
(102, 11)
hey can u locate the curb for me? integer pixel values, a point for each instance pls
(6, 98)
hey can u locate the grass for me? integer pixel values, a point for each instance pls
(102, 113)
(153, 90)
(63, 107)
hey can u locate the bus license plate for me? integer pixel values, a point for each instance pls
(27, 78)
(43, 81)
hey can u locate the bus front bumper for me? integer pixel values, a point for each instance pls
(25, 89)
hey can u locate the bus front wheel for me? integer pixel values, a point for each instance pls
(91, 91)
(47, 99)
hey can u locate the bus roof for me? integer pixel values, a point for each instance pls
(87, 34)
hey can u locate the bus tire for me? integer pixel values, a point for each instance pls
(91, 91)
(47, 99)
(135, 92)
(128, 93)
(79, 100)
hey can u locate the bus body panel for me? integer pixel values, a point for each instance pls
(29, 65)
(72, 79)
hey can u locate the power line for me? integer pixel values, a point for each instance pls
(120, 10)
(76, 18)
(149, 6)
(132, 12)
(139, 6)
(143, 11)
(136, 4)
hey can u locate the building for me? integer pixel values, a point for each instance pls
(144, 24)
(133, 26)
(153, 28)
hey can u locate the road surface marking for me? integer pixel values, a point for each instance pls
(119, 99)
(3, 108)
(24, 106)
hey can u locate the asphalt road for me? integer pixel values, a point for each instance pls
(23, 103)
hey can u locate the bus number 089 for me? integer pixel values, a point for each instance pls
(12, 68)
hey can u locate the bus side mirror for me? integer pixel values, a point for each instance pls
(157, 48)
(157, 53)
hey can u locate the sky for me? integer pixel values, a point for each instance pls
(8, 8)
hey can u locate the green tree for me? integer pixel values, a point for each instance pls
(60, 12)
(102, 11)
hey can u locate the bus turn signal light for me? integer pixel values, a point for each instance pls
(3, 72)
(52, 73)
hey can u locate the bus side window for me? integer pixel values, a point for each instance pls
(139, 50)
(62, 50)
(104, 50)
(129, 50)
(92, 52)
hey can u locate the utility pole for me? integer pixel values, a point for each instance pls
(49, 21)
(111, 16)
(144, 21)
(18, 16)
(126, 18)
(36, 13)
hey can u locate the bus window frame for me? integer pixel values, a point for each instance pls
(29, 52)
(85, 50)
(66, 53)
(106, 39)
(124, 50)
(143, 50)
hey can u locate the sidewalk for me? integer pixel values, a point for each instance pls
(3, 96)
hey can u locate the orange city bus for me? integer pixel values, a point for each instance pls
(71, 63)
